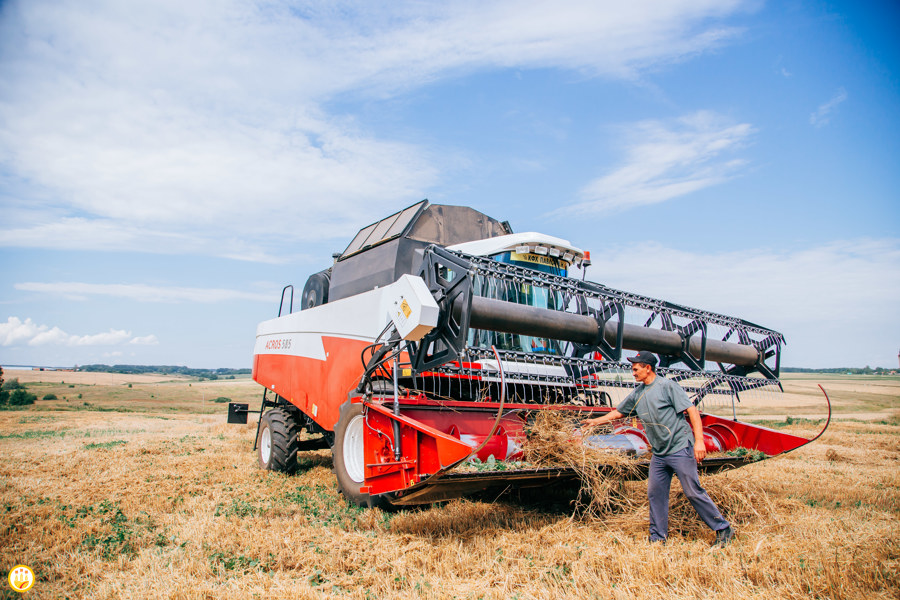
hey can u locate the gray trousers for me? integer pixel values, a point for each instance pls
(683, 464)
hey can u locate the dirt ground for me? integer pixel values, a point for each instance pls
(142, 491)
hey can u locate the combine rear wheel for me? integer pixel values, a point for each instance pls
(315, 292)
(277, 444)
(349, 461)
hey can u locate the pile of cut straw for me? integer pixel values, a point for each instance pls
(554, 440)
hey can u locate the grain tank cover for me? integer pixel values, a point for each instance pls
(383, 251)
(448, 225)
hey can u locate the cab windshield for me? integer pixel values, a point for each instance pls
(520, 293)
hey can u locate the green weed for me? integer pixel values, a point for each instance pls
(492, 464)
(238, 508)
(318, 502)
(33, 434)
(753, 455)
(110, 444)
(788, 421)
(238, 562)
(117, 533)
(35, 419)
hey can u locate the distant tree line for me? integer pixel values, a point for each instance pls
(13, 393)
(867, 370)
(166, 370)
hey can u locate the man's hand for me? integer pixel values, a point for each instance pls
(610, 416)
(697, 427)
(699, 451)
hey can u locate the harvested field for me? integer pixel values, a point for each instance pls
(852, 396)
(145, 492)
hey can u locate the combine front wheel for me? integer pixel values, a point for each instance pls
(349, 461)
(277, 444)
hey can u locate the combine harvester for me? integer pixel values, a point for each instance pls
(438, 335)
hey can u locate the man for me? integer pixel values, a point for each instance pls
(660, 404)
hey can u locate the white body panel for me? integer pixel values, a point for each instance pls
(360, 317)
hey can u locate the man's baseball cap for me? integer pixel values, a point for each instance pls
(648, 358)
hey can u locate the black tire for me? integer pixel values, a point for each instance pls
(347, 453)
(315, 292)
(348, 459)
(277, 444)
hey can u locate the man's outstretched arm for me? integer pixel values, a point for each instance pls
(610, 416)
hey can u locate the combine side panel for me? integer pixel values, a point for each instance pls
(312, 358)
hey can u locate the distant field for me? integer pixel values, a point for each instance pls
(864, 397)
(143, 491)
(133, 393)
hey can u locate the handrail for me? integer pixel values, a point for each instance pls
(281, 304)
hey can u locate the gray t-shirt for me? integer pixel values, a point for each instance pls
(660, 406)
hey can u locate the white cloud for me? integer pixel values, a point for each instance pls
(141, 292)
(168, 127)
(823, 114)
(16, 332)
(830, 301)
(665, 160)
(146, 340)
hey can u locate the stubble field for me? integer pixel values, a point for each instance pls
(134, 487)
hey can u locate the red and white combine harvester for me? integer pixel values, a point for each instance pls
(438, 335)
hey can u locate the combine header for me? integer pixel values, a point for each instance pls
(438, 335)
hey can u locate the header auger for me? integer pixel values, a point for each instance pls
(438, 335)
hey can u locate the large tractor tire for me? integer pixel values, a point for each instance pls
(277, 444)
(315, 292)
(349, 461)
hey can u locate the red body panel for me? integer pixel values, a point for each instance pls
(425, 451)
(736, 434)
(317, 387)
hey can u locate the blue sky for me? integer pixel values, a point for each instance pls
(166, 167)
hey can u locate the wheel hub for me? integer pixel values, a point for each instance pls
(265, 445)
(352, 449)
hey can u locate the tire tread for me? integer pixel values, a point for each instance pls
(285, 432)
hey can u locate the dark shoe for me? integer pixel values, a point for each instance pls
(723, 537)
(657, 540)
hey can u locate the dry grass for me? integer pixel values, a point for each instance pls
(166, 501)
(554, 440)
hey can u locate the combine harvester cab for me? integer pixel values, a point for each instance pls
(438, 336)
